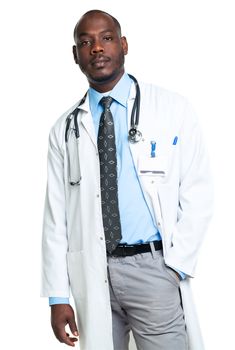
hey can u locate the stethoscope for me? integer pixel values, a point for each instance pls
(134, 135)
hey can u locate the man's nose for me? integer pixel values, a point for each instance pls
(97, 47)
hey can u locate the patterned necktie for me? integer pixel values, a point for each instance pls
(108, 177)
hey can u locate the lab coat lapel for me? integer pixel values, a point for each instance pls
(87, 121)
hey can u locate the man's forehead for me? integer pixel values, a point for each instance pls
(95, 21)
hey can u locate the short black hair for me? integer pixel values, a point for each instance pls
(117, 24)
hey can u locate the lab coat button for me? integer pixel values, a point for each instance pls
(98, 196)
(101, 238)
(106, 281)
(159, 224)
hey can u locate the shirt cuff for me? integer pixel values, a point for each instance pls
(182, 275)
(56, 300)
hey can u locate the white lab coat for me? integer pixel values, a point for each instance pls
(178, 191)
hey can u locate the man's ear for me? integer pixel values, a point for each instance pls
(124, 45)
(75, 56)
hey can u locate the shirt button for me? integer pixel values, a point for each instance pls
(98, 196)
(106, 281)
(159, 224)
(101, 238)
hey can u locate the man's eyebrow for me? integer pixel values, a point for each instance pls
(88, 34)
(107, 30)
(83, 34)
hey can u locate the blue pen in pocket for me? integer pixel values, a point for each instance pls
(175, 141)
(153, 149)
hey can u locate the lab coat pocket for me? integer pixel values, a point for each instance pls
(75, 262)
(155, 168)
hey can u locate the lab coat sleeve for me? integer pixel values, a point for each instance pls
(195, 196)
(55, 280)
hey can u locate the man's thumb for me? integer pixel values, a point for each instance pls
(73, 326)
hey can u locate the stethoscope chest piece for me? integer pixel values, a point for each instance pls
(134, 135)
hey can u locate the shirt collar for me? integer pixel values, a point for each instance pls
(120, 93)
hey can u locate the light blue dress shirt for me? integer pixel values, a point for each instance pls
(137, 222)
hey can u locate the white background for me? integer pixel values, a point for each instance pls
(183, 45)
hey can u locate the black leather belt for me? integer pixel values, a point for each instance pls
(129, 250)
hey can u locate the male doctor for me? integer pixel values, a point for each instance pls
(124, 237)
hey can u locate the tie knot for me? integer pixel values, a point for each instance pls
(106, 101)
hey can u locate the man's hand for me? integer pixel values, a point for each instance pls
(61, 315)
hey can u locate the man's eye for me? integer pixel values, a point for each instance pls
(108, 38)
(85, 43)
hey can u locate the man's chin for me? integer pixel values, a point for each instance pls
(101, 77)
(104, 75)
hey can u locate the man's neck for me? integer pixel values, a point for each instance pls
(106, 86)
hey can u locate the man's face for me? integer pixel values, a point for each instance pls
(99, 49)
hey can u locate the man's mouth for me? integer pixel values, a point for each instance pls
(100, 62)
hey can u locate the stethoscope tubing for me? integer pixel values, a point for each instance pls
(134, 133)
(136, 106)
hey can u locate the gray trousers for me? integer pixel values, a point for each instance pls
(145, 298)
